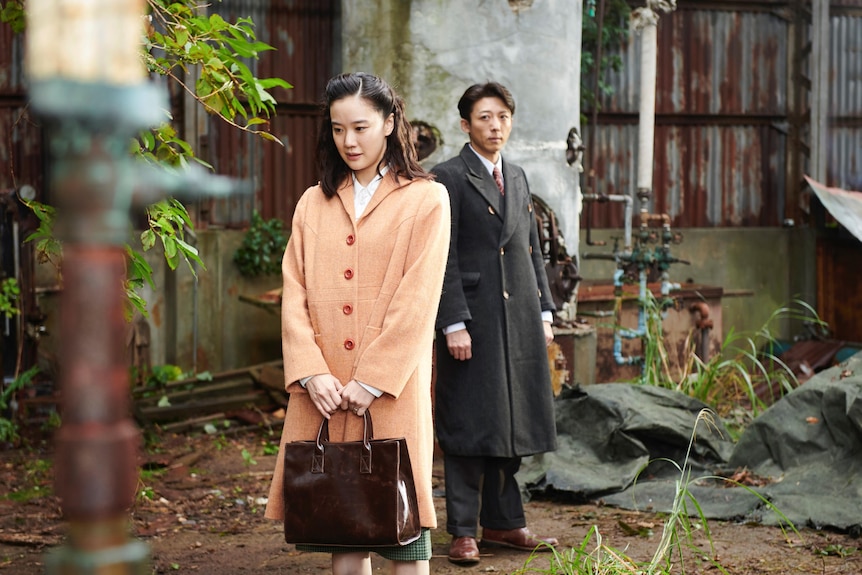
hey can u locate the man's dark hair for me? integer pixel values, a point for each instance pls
(487, 90)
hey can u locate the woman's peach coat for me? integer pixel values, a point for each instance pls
(359, 301)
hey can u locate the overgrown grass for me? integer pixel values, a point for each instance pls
(8, 426)
(36, 482)
(745, 373)
(594, 557)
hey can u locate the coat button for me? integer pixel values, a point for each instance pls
(347, 309)
(531, 250)
(348, 344)
(505, 295)
(351, 239)
(348, 273)
(502, 251)
(490, 210)
(530, 208)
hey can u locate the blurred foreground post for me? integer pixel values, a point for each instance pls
(88, 84)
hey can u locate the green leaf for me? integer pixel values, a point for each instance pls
(187, 249)
(170, 248)
(13, 14)
(148, 139)
(135, 303)
(269, 83)
(139, 269)
(182, 36)
(217, 22)
(270, 137)
(148, 239)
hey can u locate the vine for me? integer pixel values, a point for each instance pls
(615, 33)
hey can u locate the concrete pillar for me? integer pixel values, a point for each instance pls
(432, 50)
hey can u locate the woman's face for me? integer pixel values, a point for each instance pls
(360, 131)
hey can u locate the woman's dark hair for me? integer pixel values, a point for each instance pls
(487, 90)
(400, 154)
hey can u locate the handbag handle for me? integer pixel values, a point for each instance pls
(317, 461)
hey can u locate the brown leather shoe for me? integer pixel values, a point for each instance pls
(464, 551)
(522, 539)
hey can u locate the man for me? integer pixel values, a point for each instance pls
(494, 402)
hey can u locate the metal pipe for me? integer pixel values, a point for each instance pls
(705, 324)
(646, 127)
(627, 214)
(594, 122)
(645, 19)
(597, 313)
(621, 332)
(97, 444)
(195, 287)
(92, 105)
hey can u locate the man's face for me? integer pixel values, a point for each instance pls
(489, 127)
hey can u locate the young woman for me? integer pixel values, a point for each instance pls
(363, 271)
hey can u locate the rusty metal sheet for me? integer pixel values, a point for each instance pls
(12, 81)
(845, 206)
(703, 175)
(730, 62)
(302, 33)
(289, 170)
(839, 298)
(726, 133)
(20, 148)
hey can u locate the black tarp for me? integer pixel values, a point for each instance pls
(624, 444)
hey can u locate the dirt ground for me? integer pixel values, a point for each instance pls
(200, 510)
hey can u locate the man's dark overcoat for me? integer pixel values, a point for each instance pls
(500, 402)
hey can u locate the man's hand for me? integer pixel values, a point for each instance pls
(460, 344)
(549, 333)
(356, 398)
(325, 392)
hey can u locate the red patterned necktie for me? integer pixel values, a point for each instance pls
(498, 178)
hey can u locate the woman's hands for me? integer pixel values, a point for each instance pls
(356, 398)
(327, 394)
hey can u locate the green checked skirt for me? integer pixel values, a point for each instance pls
(419, 550)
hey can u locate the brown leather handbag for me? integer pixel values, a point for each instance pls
(352, 494)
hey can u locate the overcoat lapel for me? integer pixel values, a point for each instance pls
(389, 184)
(516, 200)
(482, 181)
(345, 195)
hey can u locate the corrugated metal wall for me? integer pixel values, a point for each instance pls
(845, 101)
(302, 33)
(20, 137)
(725, 113)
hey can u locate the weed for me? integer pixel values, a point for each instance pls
(583, 560)
(37, 481)
(677, 533)
(837, 551)
(220, 442)
(53, 422)
(145, 477)
(262, 247)
(146, 492)
(247, 458)
(9, 294)
(8, 427)
(745, 372)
